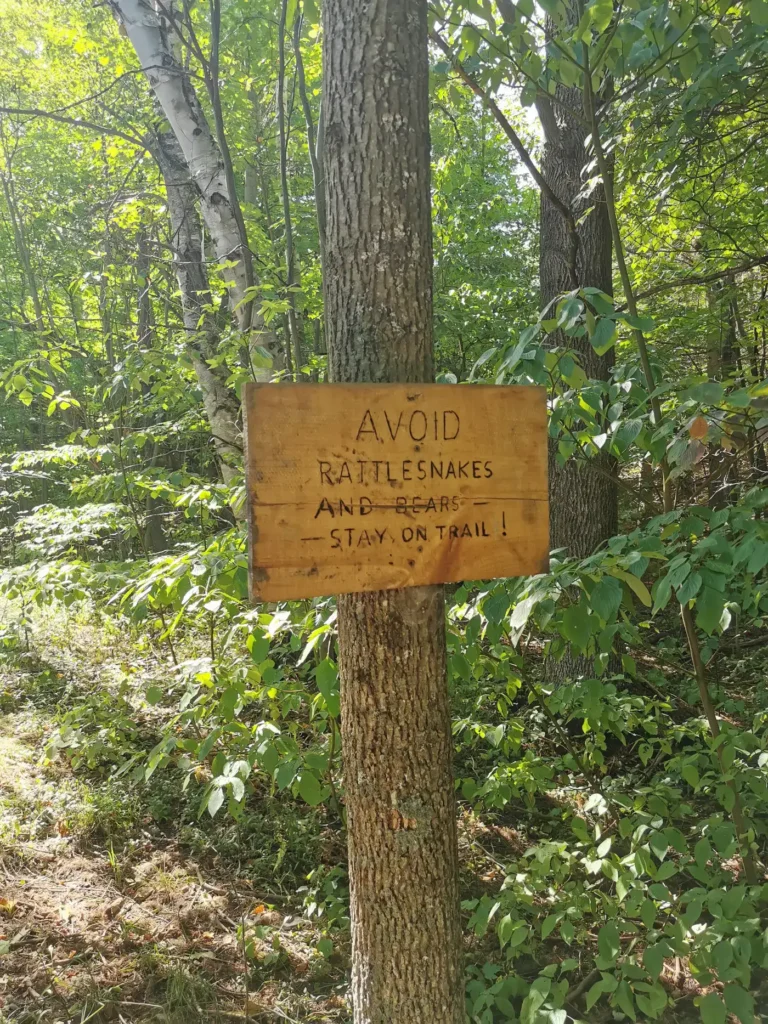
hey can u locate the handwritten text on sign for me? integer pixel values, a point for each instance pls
(372, 487)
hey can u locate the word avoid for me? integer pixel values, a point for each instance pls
(356, 487)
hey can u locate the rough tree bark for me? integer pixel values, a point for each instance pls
(220, 403)
(173, 89)
(583, 496)
(406, 937)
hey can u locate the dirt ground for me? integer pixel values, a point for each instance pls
(89, 934)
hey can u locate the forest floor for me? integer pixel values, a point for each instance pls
(106, 914)
(119, 903)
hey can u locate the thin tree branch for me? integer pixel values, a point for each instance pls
(77, 121)
(518, 146)
(696, 279)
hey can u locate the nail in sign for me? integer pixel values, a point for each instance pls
(356, 487)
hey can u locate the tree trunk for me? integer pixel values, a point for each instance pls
(403, 861)
(721, 362)
(172, 87)
(220, 403)
(154, 535)
(583, 496)
(314, 145)
(294, 320)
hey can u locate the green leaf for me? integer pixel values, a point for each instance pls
(623, 999)
(604, 336)
(259, 647)
(550, 923)
(605, 598)
(154, 695)
(327, 677)
(758, 558)
(689, 589)
(708, 393)
(608, 941)
(310, 789)
(653, 958)
(709, 608)
(634, 583)
(691, 775)
(740, 1003)
(689, 61)
(600, 12)
(228, 702)
(712, 1009)
(285, 774)
(575, 625)
(640, 323)
(648, 913)
(758, 12)
(215, 800)
(594, 994)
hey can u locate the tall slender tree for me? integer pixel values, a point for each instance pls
(152, 38)
(406, 937)
(575, 254)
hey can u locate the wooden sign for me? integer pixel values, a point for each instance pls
(357, 487)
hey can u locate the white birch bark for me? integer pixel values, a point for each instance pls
(175, 94)
(220, 403)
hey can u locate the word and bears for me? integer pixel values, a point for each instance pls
(403, 504)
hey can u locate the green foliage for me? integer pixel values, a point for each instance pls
(626, 855)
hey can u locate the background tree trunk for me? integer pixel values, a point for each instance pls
(583, 497)
(406, 936)
(174, 92)
(723, 464)
(220, 403)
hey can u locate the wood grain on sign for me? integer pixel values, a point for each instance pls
(357, 487)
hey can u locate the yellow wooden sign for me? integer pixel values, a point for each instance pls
(357, 487)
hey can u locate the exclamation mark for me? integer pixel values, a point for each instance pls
(503, 524)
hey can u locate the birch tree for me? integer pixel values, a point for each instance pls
(220, 402)
(149, 33)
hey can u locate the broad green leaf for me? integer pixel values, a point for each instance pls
(712, 1009)
(215, 800)
(310, 788)
(634, 583)
(653, 958)
(604, 336)
(740, 1002)
(689, 589)
(608, 941)
(575, 625)
(327, 677)
(623, 999)
(709, 609)
(605, 598)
